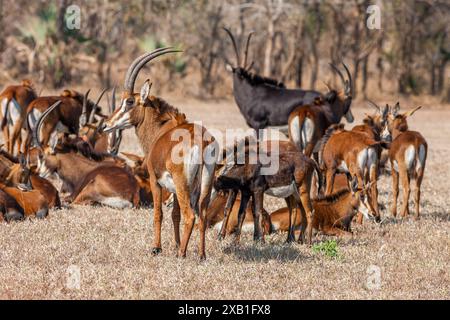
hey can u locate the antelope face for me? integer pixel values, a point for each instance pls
(47, 165)
(347, 110)
(121, 118)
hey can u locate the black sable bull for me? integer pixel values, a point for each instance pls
(262, 101)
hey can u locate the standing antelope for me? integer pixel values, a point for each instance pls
(73, 112)
(354, 153)
(262, 101)
(308, 122)
(179, 167)
(14, 103)
(408, 156)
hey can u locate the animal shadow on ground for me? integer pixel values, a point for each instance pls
(265, 252)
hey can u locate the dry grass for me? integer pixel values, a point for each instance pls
(111, 248)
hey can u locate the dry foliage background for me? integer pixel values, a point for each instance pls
(294, 41)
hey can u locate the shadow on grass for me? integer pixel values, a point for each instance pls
(265, 252)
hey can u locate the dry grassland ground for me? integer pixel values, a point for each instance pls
(111, 249)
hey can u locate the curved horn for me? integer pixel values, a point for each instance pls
(39, 123)
(373, 104)
(236, 51)
(92, 115)
(246, 49)
(145, 60)
(339, 74)
(133, 65)
(113, 101)
(349, 83)
(83, 117)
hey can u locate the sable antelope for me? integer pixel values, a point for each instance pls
(333, 214)
(408, 156)
(353, 153)
(101, 142)
(262, 101)
(292, 181)
(16, 172)
(158, 127)
(308, 122)
(10, 210)
(14, 103)
(215, 215)
(88, 181)
(68, 118)
(32, 202)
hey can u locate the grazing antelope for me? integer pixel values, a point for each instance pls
(159, 128)
(68, 118)
(408, 156)
(215, 215)
(16, 172)
(14, 103)
(262, 101)
(308, 122)
(87, 181)
(333, 214)
(291, 181)
(10, 210)
(353, 153)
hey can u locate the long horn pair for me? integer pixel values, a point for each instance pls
(348, 84)
(140, 62)
(373, 104)
(236, 51)
(39, 123)
(112, 105)
(92, 115)
(83, 117)
(246, 50)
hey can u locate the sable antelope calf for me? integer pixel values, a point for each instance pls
(263, 101)
(16, 172)
(333, 214)
(408, 156)
(179, 167)
(308, 122)
(291, 181)
(215, 215)
(10, 210)
(68, 118)
(14, 103)
(88, 181)
(353, 153)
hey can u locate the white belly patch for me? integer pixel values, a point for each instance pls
(283, 191)
(116, 202)
(343, 167)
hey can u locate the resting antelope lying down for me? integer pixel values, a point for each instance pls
(10, 210)
(88, 181)
(32, 202)
(333, 214)
(408, 156)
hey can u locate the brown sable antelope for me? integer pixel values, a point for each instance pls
(408, 156)
(88, 181)
(68, 118)
(308, 123)
(32, 202)
(14, 103)
(101, 142)
(10, 210)
(215, 215)
(352, 153)
(16, 172)
(333, 214)
(291, 181)
(184, 168)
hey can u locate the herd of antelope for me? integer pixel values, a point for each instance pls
(326, 174)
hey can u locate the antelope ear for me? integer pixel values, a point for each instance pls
(145, 90)
(53, 143)
(396, 109)
(132, 157)
(411, 112)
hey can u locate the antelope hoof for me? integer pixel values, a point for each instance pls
(41, 214)
(290, 240)
(13, 216)
(156, 251)
(377, 219)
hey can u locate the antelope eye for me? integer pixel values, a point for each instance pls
(130, 102)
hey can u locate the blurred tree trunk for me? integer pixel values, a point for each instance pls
(2, 35)
(60, 22)
(314, 40)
